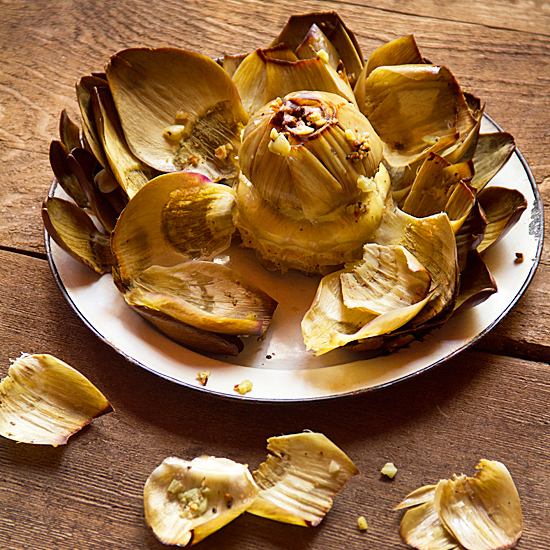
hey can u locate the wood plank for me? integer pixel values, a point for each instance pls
(87, 494)
(62, 40)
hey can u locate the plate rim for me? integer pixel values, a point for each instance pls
(538, 234)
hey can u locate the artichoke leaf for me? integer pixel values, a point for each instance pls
(431, 240)
(69, 132)
(205, 295)
(336, 32)
(250, 80)
(476, 283)
(59, 155)
(503, 208)
(74, 231)
(401, 51)
(481, 512)
(470, 234)
(174, 118)
(422, 529)
(491, 154)
(418, 496)
(129, 171)
(300, 478)
(231, 63)
(460, 204)
(84, 91)
(186, 501)
(416, 110)
(316, 41)
(386, 278)
(174, 218)
(44, 401)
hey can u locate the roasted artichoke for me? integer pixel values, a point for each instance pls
(368, 175)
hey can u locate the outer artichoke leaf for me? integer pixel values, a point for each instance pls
(418, 496)
(431, 240)
(332, 26)
(491, 154)
(206, 295)
(315, 41)
(192, 337)
(433, 186)
(44, 401)
(172, 114)
(422, 529)
(414, 109)
(284, 77)
(68, 180)
(460, 204)
(386, 278)
(250, 80)
(482, 512)
(69, 132)
(129, 171)
(281, 52)
(231, 63)
(476, 283)
(300, 478)
(186, 501)
(470, 234)
(464, 148)
(401, 51)
(174, 218)
(84, 90)
(503, 208)
(74, 231)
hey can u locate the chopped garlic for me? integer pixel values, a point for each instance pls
(203, 376)
(350, 135)
(251, 316)
(174, 132)
(280, 146)
(362, 523)
(322, 54)
(274, 134)
(221, 152)
(366, 184)
(244, 387)
(389, 470)
(303, 130)
(333, 467)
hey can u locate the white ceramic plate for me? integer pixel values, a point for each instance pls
(279, 367)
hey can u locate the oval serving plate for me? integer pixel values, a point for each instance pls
(279, 367)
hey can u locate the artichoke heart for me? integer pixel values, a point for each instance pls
(206, 295)
(44, 401)
(372, 298)
(313, 189)
(186, 501)
(300, 478)
(178, 109)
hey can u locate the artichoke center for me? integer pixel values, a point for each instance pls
(303, 116)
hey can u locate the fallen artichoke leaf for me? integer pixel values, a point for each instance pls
(472, 513)
(44, 401)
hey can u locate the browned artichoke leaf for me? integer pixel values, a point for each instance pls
(69, 132)
(192, 337)
(460, 204)
(476, 283)
(331, 25)
(178, 109)
(281, 52)
(422, 529)
(129, 171)
(300, 478)
(491, 154)
(330, 323)
(415, 109)
(464, 148)
(44, 401)
(431, 240)
(64, 174)
(470, 234)
(84, 90)
(503, 208)
(418, 496)
(206, 295)
(231, 62)
(83, 164)
(401, 51)
(73, 230)
(481, 512)
(315, 41)
(174, 218)
(434, 185)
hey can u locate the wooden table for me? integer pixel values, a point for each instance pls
(488, 402)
